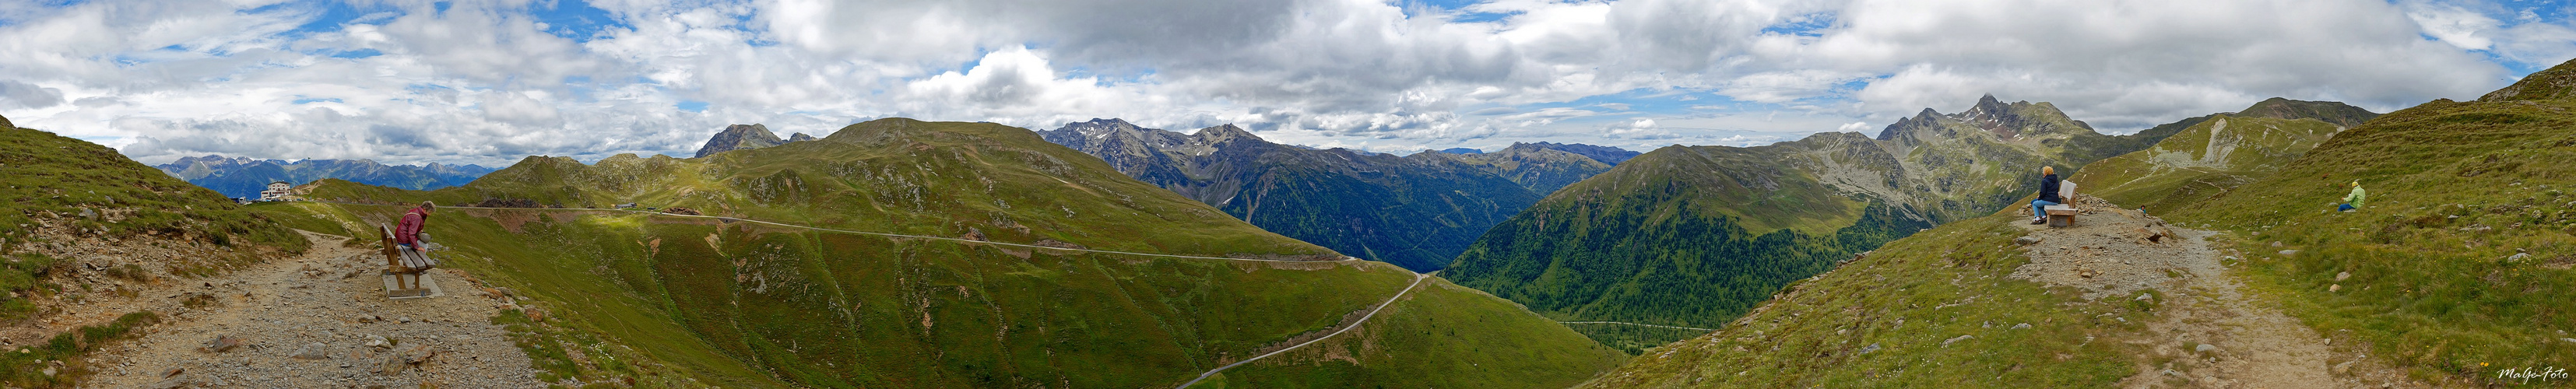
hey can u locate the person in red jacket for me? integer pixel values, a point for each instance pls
(407, 233)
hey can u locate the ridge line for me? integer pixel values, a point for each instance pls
(1345, 258)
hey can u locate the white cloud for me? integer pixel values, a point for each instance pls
(2453, 24)
(483, 81)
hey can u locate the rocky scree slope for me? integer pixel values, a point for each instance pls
(745, 137)
(678, 301)
(1416, 211)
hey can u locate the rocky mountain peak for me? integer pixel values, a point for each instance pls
(4, 123)
(799, 137)
(1989, 108)
(1099, 128)
(1219, 134)
(1928, 119)
(740, 137)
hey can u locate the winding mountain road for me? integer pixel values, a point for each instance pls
(1417, 281)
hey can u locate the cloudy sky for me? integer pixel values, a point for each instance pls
(404, 81)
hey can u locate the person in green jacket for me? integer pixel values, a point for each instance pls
(2352, 201)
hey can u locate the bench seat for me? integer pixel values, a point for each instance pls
(2061, 215)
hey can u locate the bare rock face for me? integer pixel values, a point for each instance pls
(740, 137)
(4, 123)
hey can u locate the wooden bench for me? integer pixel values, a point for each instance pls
(403, 268)
(2061, 216)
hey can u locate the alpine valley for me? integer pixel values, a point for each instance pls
(1417, 211)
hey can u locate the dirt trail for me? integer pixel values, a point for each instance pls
(280, 310)
(2207, 334)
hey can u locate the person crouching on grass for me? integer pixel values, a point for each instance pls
(2047, 195)
(2353, 200)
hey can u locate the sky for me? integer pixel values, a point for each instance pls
(489, 82)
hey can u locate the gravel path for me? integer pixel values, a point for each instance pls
(2207, 333)
(319, 321)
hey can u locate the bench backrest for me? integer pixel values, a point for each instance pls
(392, 256)
(2066, 191)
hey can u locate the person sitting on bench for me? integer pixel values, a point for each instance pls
(2047, 195)
(407, 233)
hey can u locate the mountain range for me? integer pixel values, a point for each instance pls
(1417, 211)
(1011, 262)
(1697, 235)
(244, 177)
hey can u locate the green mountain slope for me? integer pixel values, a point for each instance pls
(1893, 319)
(1416, 211)
(2459, 263)
(2226, 151)
(81, 224)
(696, 301)
(1695, 236)
(84, 190)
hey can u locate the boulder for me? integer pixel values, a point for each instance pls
(409, 357)
(222, 343)
(311, 351)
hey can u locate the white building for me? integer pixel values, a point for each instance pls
(277, 191)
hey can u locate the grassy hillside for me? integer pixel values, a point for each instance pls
(1682, 236)
(89, 190)
(1695, 236)
(1886, 320)
(2460, 261)
(1437, 316)
(2222, 153)
(691, 302)
(70, 203)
